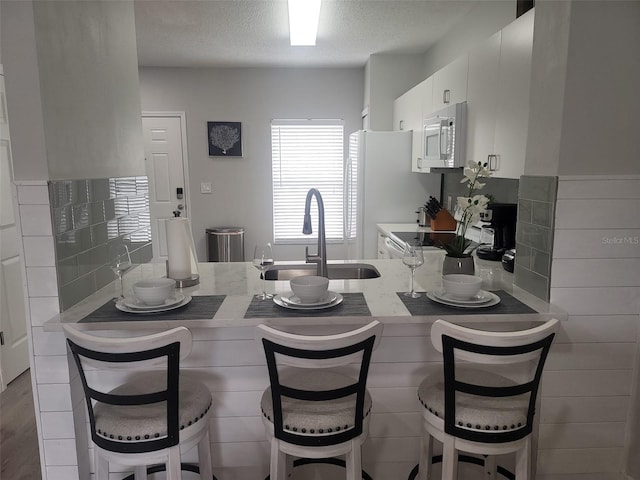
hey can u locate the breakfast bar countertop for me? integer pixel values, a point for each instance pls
(232, 286)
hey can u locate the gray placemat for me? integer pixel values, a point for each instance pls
(200, 307)
(353, 304)
(425, 306)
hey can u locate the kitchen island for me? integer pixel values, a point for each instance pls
(227, 359)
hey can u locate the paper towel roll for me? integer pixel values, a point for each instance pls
(179, 248)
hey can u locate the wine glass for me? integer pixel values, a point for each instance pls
(262, 260)
(412, 257)
(119, 262)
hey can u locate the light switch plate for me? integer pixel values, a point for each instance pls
(205, 187)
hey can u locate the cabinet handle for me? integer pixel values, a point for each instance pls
(446, 96)
(492, 160)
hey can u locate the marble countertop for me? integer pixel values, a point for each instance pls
(239, 282)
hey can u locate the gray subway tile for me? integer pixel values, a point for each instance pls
(109, 209)
(534, 236)
(92, 259)
(103, 276)
(99, 234)
(125, 186)
(99, 189)
(80, 216)
(523, 255)
(67, 270)
(142, 186)
(96, 212)
(62, 220)
(66, 245)
(542, 214)
(121, 206)
(77, 291)
(541, 262)
(524, 210)
(542, 189)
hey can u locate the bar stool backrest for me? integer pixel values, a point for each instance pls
(462, 347)
(318, 352)
(164, 348)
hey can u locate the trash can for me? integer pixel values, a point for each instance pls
(225, 244)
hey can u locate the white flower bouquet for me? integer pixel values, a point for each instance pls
(469, 208)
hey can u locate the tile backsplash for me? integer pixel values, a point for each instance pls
(534, 234)
(87, 216)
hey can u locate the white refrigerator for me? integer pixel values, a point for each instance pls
(381, 188)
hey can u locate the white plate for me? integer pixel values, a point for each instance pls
(159, 308)
(136, 304)
(481, 297)
(493, 301)
(279, 301)
(292, 299)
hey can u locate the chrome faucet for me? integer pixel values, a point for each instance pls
(321, 255)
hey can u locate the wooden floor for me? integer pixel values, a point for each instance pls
(18, 436)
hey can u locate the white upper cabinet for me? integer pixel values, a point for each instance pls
(482, 98)
(408, 111)
(498, 98)
(450, 84)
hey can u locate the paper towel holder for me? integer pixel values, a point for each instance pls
(194, 279)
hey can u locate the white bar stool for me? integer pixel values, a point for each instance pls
(483, 401)
(154, 415)
(313, 409)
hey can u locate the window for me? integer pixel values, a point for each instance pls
(306, 154)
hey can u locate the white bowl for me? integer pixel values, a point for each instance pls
(461, 286)
(154, 291)
(309, 288)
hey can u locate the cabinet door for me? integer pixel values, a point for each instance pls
(512, 117)
(482, 98)
(451, 79)
(407, 115)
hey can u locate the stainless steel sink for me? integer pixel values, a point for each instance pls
(346, 271)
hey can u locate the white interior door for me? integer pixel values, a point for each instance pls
(14, 347)
(165, 154)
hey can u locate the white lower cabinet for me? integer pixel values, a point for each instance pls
(498, 98)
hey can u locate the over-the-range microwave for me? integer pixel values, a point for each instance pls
(444, 138)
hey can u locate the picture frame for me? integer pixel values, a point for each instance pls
(225, 139)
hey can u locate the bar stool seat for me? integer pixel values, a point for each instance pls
(315, 417)
(474, 412)
(132, 423)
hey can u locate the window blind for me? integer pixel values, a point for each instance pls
(306, 154)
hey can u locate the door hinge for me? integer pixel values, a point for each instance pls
(1, 338)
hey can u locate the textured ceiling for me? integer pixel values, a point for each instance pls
(241, 33)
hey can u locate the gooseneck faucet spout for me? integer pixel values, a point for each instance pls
(321, 256)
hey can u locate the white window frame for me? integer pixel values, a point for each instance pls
(317, 163)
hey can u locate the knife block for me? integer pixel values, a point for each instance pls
(443, 221)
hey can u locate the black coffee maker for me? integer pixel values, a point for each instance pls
(501, 218)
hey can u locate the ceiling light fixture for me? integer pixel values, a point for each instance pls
(303, 22)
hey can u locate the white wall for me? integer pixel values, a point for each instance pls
(388, 77)
(242, 186)
(89, 82)
(24, 102)
(72, 89)
(583, 127)
(602, 104)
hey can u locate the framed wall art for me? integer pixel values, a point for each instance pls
(225, 139)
